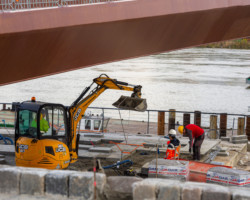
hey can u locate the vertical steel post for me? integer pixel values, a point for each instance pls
(248, 127)
(102, 119)
(171, 119)
(197, 118)
(161, 123)
(223, 124)
(241, 126)
(148, 124)
(186, 121)
(213, 126)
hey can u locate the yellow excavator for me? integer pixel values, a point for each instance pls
(45, 133)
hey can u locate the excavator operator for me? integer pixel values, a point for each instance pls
(44, 125)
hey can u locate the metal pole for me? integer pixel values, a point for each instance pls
(233, 127)
(102, 119)
(148, 123)
(94, 169)
(156, 164)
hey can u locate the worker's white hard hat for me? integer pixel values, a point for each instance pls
(172, 132)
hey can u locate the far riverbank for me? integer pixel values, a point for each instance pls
(230, 44)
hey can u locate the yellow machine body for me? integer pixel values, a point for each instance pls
(46, 153)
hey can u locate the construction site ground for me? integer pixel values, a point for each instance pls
(102, 146)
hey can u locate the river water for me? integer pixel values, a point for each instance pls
(209, 80)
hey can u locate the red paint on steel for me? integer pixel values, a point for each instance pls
(49, 41)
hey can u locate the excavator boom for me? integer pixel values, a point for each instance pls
(78, 108)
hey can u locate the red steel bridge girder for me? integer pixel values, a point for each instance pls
(42, 42)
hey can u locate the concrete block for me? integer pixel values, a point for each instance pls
(57, 182)
(32, 181)
(120, 187)
(240, 193)
(144, 190)
(209, 191)
(216, 192)
(100, 149)
(239, 137)
(81, 185)
(248, 146)
(244, 141)
(9, 180)
(189, 192)
(169, 191)
(85, 147)
(225, 139)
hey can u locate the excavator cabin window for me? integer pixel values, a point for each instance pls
(53, 121)
(26, 123)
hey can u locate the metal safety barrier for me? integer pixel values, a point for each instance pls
(12, 5)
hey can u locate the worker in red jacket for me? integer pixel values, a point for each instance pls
(195, 133)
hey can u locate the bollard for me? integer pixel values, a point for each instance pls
(171, 119)
(213, 127)
(248, 127)
(223, 124)
(241, 126)
(197, 118)
(161, 123)
(186, 121)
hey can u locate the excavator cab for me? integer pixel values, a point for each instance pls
(41, 135)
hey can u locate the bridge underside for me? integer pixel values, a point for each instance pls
(50, 41)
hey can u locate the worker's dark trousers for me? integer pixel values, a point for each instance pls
(197, 147)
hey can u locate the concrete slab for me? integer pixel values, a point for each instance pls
(206, 147)
(223, 154)
(147, 145)
(85, 147)
(224, 149)
(244, 141)
(97, 135)
(239, 137)
(7, 149)
(108, 140)
(225, 139)
(100, 149)
(117, 157)
(90, 141)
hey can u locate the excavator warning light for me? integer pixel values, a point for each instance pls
(33, 99)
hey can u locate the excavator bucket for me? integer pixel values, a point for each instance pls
(131, 103)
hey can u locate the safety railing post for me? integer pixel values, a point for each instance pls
(148, 123)
(102, 119)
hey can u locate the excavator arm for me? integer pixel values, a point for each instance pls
(103, 82)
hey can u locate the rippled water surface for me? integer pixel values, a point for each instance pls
(209, 80)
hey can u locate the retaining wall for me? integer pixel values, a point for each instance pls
(32, 183)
